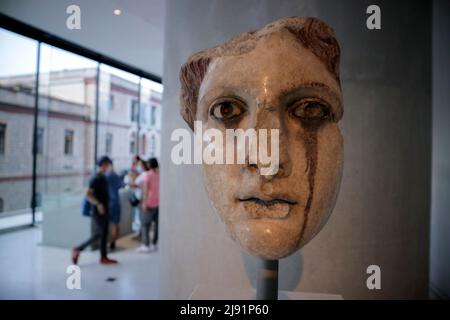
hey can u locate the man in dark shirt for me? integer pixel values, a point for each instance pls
(97, 195)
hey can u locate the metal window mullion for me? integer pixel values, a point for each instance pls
(138, 119)
(97, 108)
(35, 127)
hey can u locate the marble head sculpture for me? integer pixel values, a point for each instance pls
(284, 76)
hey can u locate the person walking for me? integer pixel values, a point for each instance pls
(115, 182)
(98, 196)
(150, 207)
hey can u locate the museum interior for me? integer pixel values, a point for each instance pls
(108, 90)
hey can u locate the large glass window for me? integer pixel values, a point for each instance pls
(75, 122)
(18, 61)
(67, 91)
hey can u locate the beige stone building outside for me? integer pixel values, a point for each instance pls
(66, 131)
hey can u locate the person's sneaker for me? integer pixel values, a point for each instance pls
(105, 260)
(143, 249)
(75, 255)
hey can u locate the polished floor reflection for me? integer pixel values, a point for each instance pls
(31, 271)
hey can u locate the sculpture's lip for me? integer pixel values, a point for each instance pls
(266, 208)
(268, 202)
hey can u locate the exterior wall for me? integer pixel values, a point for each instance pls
(16, 195)
(17, 159)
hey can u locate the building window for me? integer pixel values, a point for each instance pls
(133, 144)
(111, 102)
(1, 205)
(68, 142)
(153, 116)
(144, 145)
(108, 143)
(2, 138)
(143, 114)
(40, 141)
(152, 146)
(134, 110)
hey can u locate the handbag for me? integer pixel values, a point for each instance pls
(134, 201)
(86, 208)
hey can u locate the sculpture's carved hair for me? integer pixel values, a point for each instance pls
(314, 34)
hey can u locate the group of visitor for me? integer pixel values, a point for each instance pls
(103, 204)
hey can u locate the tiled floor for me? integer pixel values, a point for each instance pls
(31, 271)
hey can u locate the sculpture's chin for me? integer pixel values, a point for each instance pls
(268, 238)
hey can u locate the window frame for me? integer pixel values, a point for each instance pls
(26, 30)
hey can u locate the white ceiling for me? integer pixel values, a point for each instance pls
(136, 37)
(152, 11)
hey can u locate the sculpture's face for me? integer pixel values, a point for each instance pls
(278, 85)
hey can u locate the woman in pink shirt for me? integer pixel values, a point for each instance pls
(150, 204)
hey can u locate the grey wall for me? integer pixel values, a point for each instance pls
(440, 210)
(382, 214)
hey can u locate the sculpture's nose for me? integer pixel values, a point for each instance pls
(268, 118)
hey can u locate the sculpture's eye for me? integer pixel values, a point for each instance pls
(227, 110)
(311, 111)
